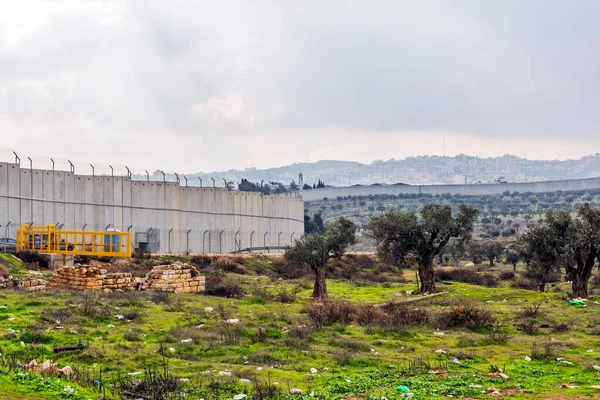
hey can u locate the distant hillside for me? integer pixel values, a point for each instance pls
(417, 170)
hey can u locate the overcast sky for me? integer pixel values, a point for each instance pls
(211, 85)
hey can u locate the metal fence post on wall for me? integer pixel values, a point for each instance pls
(279, 239)
(200, 179)
(148, 236)
(71, 166)
(292, 238)
(31, 189)
(147, 176)
(169, 243)
(6, 234)
(265, 239)
(188, 241)
(251, 236)
(214, 184)
(203, 240)
(221, 241)
(238, 245)
(184, 177)
(84, 225)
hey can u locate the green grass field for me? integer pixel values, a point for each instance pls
(274, 344)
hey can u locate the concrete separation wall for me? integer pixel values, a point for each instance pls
(170, 217)
(464, 190)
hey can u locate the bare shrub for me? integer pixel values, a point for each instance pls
(596, 281)
(466, 276)
(524, 283)
(160, 296)
(4, 270)
(401, 315)
(507, 275)
(532, 311)
(528, 327)
(497, 337)
(466, 314)
(219, 285)
(350, 344)
(202, 261)
(392, 316)
(133, 335)
(545, 353)
(285, 296)
(331, 312)
(561, 327)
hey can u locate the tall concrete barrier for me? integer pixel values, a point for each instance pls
(172, 218)
(464, 190)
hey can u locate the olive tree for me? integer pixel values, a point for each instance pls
(583, 245)
(542, 253)
(398, 233)
(315, 250)
(492, 251)
(568, 241)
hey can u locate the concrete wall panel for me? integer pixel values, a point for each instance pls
(198, 219)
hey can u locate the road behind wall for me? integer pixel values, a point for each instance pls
(171, 217)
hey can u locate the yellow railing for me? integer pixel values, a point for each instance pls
(47, 239)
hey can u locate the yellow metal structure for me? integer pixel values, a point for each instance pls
(47, 239)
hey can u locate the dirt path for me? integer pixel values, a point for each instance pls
(423, 297)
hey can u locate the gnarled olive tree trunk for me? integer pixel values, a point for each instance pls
(427, 276)
(320, 289)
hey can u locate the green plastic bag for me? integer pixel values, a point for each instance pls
(576, 303)
(403, 388)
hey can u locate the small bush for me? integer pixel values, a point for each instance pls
(488, 279)
(227, 288)
(285, 296)
(82, 259)
(160, 296)
(507, 275)
(532, 311)
(133, 335)
(392, 316)
(201, 261)
(32, 257)
(218, 285)
(524, 283)
(596, 281)
(466, 276)
(528, 327)
(331, 312)
(497, 337)
(546, 353)
(467, 314)
(558, 328)
(35, 336)
(287, 270)
(298, 337)
(229, 265)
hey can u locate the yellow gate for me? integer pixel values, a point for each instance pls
(47, 239)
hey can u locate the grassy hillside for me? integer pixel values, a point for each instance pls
(267, 338)
(502, 215)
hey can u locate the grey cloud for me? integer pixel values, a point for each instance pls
(503, 68)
